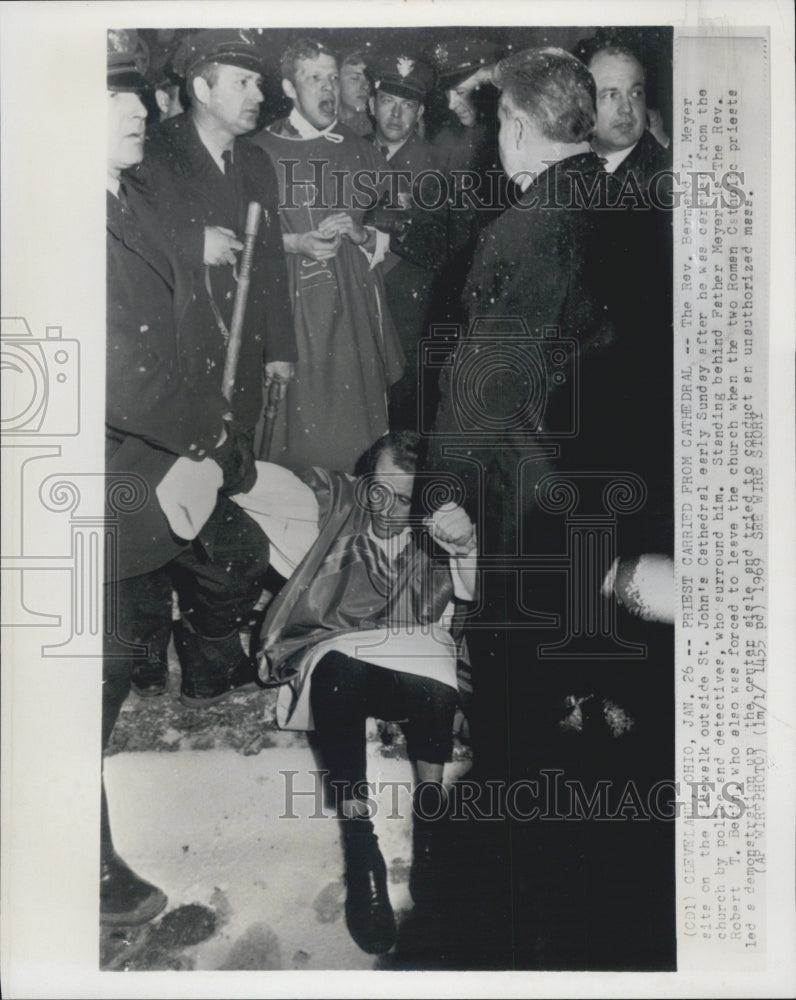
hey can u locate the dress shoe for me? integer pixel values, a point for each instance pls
(149, 680)
(368, 912)
(212, 668)
(126, 899)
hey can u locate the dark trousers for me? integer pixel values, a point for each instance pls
(218, 580)
(345, 692)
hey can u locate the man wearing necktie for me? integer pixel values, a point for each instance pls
(201, 173)
(199, 176)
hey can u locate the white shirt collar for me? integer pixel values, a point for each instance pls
(212, 147)
(392, 545)
(308, 131)
(612, 160)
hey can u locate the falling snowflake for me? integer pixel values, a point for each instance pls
(619, 722)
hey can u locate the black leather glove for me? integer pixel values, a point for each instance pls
(236, 458)
(393, 221)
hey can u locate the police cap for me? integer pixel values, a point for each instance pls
(403, 76)
(230, 46)
(127, 60)
(458, 59)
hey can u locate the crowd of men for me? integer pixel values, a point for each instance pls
(282, 382)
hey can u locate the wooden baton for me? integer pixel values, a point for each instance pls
(241, 294)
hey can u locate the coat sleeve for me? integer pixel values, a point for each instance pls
(156, 181)
(147, 394)
(279, 334)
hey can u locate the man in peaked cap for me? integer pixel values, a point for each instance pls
(124, 896)
(172, 455)
(464, 65)
(417, 232)
(401, 85)
(468, 152)
(202, 173)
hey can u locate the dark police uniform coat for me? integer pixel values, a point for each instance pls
(189, 192)
(163, 397)
(413, 265)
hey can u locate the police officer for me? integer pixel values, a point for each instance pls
(201, 173)
(468, 151)
(170, 449)
(413, 213)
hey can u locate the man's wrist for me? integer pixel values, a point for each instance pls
(290, 242)
(369, 243)
(469, 545)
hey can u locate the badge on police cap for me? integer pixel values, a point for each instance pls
(459, 58)
(403, 76)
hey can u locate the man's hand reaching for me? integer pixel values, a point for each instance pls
(452, 529)
(313, 244)
(221, 245)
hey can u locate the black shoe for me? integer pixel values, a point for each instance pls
(211, 668)
(368, 912)
(150, 679)
(126, 899)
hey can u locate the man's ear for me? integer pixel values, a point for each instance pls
(519, 131)
(201, 90)
(162, 101)
(289, 90)
(372, 105)
(421, 111)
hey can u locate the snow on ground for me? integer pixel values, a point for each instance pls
(248, 886)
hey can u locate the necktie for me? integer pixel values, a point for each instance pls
(385, 152)
(226, 156)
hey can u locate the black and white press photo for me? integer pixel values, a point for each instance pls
(393, 495)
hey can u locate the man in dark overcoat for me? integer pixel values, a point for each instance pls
(550, 415)
(171, 446)
(201, 173)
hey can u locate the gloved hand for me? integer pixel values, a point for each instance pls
(393, 221)
(235, 455)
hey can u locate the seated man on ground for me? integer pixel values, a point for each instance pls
(355, 633)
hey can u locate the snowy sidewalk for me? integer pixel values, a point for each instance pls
(248, 887)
